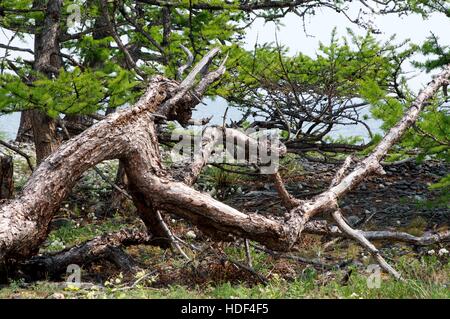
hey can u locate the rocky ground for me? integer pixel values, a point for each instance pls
(394, 200)
(400, 199)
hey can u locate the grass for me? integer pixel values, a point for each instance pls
(306, 287)
(73, 234)
(166, 276)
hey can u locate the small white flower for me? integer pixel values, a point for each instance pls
(191, 234)
(212, 192)
(442, 252)
(431, 252)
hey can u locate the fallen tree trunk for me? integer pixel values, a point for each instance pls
(24, 221)
(108, 246)
(130, 135)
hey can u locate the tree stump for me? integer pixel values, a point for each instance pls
(6, 177)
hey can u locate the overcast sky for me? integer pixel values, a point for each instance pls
(318, 27)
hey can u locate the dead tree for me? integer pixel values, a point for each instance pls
(130, 135)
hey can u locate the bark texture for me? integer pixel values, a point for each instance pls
(25, 130)
(107, 247)
(48, 62)
(130, 135)
(24, 221)
(6, 177)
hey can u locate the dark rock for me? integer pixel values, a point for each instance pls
(60, 222)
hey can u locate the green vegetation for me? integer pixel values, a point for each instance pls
(427, 276)
(106, 61)
(424, 281)
(72, 233)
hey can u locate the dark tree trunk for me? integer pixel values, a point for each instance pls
(6, 177)
(118, 199)
(45, 137)
(77, 123)
(25, 131)
(46, 61)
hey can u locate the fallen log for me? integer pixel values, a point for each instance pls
(130, 135)
(24, 220)
(322, 228)
(108, 247)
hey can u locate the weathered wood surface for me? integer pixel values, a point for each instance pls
(130, 135)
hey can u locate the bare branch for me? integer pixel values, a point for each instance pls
(189, 61)
(287, 199)
(20, 152)
(358, 236)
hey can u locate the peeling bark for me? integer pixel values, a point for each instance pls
(24, 221)
(130, 135)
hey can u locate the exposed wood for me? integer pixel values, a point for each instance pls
(173, 240)
(189, 61)
(24, 221)
(341, 172)
(321, 227)
(327, 201)
(359, 236)
(287, 199)
(130, 135)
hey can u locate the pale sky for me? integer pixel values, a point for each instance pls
(320, 26)
(292, 35)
